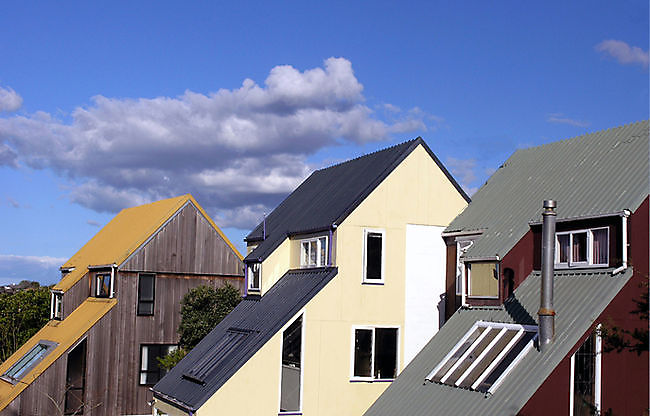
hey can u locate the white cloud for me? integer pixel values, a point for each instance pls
(623, 52)
(559, 118)
(464, 171)
(93, 223)
(14, 268)
(9, 100)
(238, 151)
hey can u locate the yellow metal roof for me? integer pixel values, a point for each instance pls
(124, 234)
(65, 333)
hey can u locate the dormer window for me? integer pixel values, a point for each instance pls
(103, 285)
(313, 252)
(582, 248)
(255, 277)
(56, 306)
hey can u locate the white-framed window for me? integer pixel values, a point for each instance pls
(484, 356)
(586, 377)
(375, 353)
(373, 256)
(56, 305)
(150, 370)
(255, 277)
(291, 376)
(483, 280)
(104, 282)
(313, 252)
(579, 248)
(461, 248)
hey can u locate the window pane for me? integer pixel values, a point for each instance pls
(483, 280)
(584, 378)
(323, 251)
(304, 253)
(145, 308)
(373, 256)
(563, 241)
(146, 287)
(291, 349)
(362, 352)
(600, 246)
(579, 249)
(103, 285)
(313, 251)
(385, 353)
(254, 276)
(150, 371)
(31, 358)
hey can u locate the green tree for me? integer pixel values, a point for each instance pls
(202, 308)
(22, 314)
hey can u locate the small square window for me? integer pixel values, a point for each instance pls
(373, 261)
(146, 293)
(255, 276)
(375, 353)
(103, 285)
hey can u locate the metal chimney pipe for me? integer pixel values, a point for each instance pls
(546, 312)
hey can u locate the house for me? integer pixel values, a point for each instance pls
(497, 354)
(115, 310)
(344, 284)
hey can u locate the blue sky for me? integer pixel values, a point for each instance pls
(109, 105)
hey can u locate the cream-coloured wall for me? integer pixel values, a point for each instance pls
(416, 192)
(294, 242)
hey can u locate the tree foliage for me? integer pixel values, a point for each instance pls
(22, 314)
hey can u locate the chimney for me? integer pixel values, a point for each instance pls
(546, 312)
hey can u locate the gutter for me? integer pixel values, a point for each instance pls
(460, 233)
(174, 402)
(624, 216)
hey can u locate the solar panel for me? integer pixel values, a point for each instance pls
(484, 356)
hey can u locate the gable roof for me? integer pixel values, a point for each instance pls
(580, 297)
(596, 174)
(64, 333)
(125, 234)
(238, 337)
(329, 195)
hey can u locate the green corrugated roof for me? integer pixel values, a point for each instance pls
(599, 173)
(580, 297)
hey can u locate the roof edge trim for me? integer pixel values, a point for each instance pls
(620, 213)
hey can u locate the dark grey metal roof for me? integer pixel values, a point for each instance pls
(595, 174)
(240, 335)
(580, 297)
(329, 195)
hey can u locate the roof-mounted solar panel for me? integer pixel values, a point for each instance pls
(484, 356)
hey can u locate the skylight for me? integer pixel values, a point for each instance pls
(485, 355)
(29, 360)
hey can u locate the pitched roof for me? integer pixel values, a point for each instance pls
(124, 234)
(329, 195)
(238, 337)
(595, 174)
(580, 297)
(65, 333)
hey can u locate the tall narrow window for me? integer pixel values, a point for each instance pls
(150, 370)
(373, 264)
(75, 384)
(56, 311)
(313, 252)
(291, 367)
(375, 353)
(146, 293)
(254, 277)
(585, 369)
(103, 285)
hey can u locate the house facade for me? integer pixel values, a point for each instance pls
(344, 284)
(487, 358)
(115, 310)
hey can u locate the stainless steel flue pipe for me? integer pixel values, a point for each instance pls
(546, 312)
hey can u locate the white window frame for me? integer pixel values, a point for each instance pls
(590, 249)
(367, 231)
(462, 245)
(249, 268)
(372, 353)
(302, 314)
(111, 289)
(597, 373)
(56, 300)
(319, 246)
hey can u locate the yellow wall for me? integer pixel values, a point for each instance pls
(484, 280)
(416, 192)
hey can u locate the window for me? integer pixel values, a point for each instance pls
(75, 384)
(150, 371)
(582, 248)
(103, 285)
(375, 353)
(484, 356)
(585, 377)
(29, 361)
(373, 259)
(313, 252)
(146, 293)
(56, 307)
(461, 248)
(255, 277)
(483, 279)
(291, 367)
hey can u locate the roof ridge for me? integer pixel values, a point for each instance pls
(369, 154)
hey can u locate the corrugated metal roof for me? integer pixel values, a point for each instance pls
(580, 297)
(250, 325)
(65, 333)
(124, 234)
(599, 173)
(329, 195)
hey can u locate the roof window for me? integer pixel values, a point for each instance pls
(29, 361)
(485, 355)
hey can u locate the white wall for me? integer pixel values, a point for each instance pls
(425, 286)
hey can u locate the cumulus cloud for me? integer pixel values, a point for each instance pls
(559, 118)
(238, 151)
(9, 100)
(623, 52)
(14, 268)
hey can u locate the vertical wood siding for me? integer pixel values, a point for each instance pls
(75, 296)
